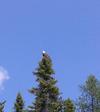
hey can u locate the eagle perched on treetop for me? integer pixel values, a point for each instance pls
(45, 55)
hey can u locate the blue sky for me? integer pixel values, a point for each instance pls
(69, 30)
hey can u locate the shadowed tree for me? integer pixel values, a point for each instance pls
(69, 106)
(2, 104)
(19, 104)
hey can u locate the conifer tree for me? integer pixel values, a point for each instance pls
(89, 101)
(69, 106)
(2, 106)
(19, 104)
(46, 92)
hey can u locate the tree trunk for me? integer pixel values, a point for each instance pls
(92, 105)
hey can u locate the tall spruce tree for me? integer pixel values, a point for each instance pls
(69, 106)
(19, 104)
(2, 104)
(47, 94)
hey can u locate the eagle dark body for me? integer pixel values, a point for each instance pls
(46, 56)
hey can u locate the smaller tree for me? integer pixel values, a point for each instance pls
(89, 101)
(19, 104)
(69, 106)
(2, 104)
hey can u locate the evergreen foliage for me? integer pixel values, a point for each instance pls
(69, 106)
(19, 104)
(89, 101)
(2, 104)
(47, 94)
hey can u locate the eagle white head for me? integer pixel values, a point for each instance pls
(43, 52)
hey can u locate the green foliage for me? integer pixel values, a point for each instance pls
(2, 104)
(47, 96)
(47, 93)
(69, 106)
(19, 104)
(89, 101)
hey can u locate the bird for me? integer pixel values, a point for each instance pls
(45, 55)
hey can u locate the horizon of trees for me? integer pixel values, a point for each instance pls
(48, 97)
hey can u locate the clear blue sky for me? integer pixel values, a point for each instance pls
(69, 30)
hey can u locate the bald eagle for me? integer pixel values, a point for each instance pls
(45, 55)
